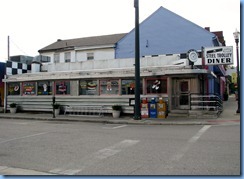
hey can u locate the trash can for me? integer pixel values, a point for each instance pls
(144, 108)
(161, 108)
(153, 108)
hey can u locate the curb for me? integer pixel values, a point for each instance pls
(119, 121)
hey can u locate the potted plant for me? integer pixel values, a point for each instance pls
(13, 107)
(116, 110)
(56, 107)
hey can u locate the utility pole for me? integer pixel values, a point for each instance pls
(5, 83)
(137, 115)
(236, 36)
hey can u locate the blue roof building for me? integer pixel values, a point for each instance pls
(165, 32)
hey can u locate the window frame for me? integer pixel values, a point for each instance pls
(56, 58)
(24, 91)
(67, 57)
(161, 79)
(64, 81)
(141, 86)
(87, 87)
(108, 86)
(49, 86)
(15, 88)
(90, 56)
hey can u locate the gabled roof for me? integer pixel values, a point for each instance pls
(83, 42)
(165, 32)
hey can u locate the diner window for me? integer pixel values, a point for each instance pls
(109, 87)
(67, 57)
(88, 87)
(56, 58)
(29, 88)
(156, 86)
(128, 87)
(90, 56)
(14, 89)
(62, 87)
(44, 88)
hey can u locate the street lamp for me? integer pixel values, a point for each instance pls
(236, 36)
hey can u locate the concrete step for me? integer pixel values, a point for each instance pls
(177, 115)
(199, 114)
(179, 111)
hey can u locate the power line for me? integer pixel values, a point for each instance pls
(18, 47)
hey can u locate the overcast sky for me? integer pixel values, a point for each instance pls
(34, 24)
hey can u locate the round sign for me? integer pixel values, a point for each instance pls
(192, 55)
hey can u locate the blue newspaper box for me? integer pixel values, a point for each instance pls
(153, 108)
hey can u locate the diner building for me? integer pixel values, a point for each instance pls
(100, 70)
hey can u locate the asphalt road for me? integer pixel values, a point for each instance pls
(29, 147)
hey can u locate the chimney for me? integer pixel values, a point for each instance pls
(207, 28)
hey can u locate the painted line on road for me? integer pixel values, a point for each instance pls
(97, 156)
(4, 170)
(119, 126)
(199, 134)
(116, 127)
(192, 140)
(33, 135)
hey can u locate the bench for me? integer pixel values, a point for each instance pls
(84, 110)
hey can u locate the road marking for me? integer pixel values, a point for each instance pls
(97, 156)
(117, 127)
(192, 140)
(198, 135)
(4, 170)
(23, 137)
(64, 171)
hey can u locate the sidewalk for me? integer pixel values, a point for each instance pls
(228, 116)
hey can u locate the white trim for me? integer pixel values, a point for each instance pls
(94, 47)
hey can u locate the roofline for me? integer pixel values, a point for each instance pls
(55, 49)
(95, 47)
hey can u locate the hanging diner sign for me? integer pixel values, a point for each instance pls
(218, 55)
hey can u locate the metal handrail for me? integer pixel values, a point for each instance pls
(210, 101)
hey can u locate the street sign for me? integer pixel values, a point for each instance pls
(218, 55)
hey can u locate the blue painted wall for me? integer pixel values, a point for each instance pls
(2, 73)
(165, 32)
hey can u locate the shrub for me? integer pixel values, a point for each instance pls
(13, 105)
(117, 107)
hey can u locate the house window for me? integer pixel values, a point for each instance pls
(44, 88)
(62, 87)
(29, 88)
(109, 87)
(128, 87)
(56, 58)
(14, 89)
(88, 87)
(156, 86)
(67, 57)
(90, 56)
